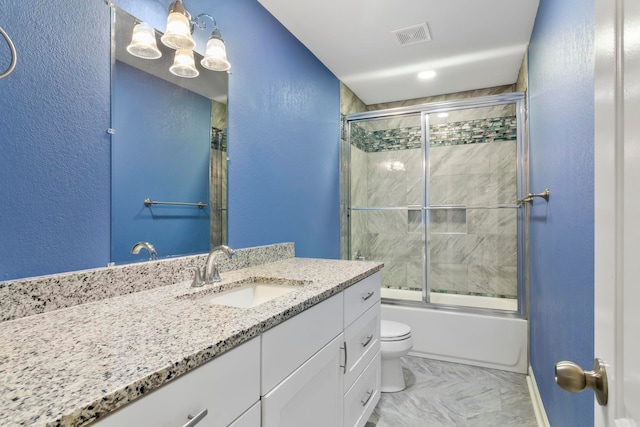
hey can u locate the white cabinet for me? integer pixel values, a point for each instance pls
(321, 368)
(226, 387)
(362, 341)
(310, 396)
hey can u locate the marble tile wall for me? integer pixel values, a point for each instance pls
(472, 251)
(349, 104)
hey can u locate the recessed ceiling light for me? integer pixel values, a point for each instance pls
(427, 74)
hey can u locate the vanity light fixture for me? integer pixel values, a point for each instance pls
(143, 42)
(177, 36)
(178, 32)
(184, 64)
(215, 57)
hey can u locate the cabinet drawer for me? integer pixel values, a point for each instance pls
(251, 418)
(225, 386)
(291, 343)
(363, 397)
(362, 339)
(360, 297)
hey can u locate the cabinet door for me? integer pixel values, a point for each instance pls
(251, 418)
(312, 395)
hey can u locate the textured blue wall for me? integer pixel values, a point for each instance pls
(54, 113)
(561, 106)
(284, 124)
(160, 150)
(55, 163)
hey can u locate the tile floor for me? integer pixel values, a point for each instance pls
(442, 394)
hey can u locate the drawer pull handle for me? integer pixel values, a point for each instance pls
(368, 398)
(195, 420)
(367, 340)
(367, 296)
(344, 367)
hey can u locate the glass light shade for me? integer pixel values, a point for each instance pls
(143, 42)
(215, 57)
(178, 32)
(184, 64)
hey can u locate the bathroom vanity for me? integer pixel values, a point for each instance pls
(168, 357)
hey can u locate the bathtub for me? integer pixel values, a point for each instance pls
(456, 336)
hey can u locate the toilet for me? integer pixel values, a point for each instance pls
(395, 342)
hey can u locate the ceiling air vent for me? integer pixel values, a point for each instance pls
(412, 35)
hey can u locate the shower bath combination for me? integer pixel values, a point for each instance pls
(434, 193)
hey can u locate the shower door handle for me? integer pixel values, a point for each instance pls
(572, 378)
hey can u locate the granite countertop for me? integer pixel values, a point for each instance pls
(73, 365)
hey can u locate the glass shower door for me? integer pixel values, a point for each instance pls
(386, 181)
(472, 187)
(433, 194)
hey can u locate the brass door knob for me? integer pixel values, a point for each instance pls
(572, 378)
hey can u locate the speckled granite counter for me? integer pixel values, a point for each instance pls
(70, 366)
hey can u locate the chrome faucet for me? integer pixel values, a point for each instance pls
(146, 245)
(211, 272)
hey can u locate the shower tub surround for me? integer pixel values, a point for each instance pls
(72, 366)
(471, 163)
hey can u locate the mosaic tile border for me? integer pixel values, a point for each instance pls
(456, 133)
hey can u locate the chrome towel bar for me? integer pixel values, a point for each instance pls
(148, 202)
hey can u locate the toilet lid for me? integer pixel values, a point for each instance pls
(394, 331)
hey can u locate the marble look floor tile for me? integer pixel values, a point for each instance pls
(443, 394)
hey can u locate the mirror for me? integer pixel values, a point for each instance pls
(168, 146)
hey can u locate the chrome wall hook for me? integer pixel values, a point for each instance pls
(529, 197)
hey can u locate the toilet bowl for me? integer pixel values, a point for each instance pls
(395, 342)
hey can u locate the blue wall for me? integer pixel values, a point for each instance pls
(161, 151)
(284, 124)
(561, 107)
(54, 162)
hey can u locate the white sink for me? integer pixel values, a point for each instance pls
(250, 295)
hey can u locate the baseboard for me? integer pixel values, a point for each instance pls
(536, 400)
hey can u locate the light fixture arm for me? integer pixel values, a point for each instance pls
(201, 23)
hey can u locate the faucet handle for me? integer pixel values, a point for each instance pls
(216, 273)
(197, 278)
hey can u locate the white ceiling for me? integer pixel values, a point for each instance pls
(475, 43)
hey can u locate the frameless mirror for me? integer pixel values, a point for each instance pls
(168, 151)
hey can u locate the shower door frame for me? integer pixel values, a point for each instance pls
(522, 179)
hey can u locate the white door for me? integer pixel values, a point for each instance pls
(617, 208)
